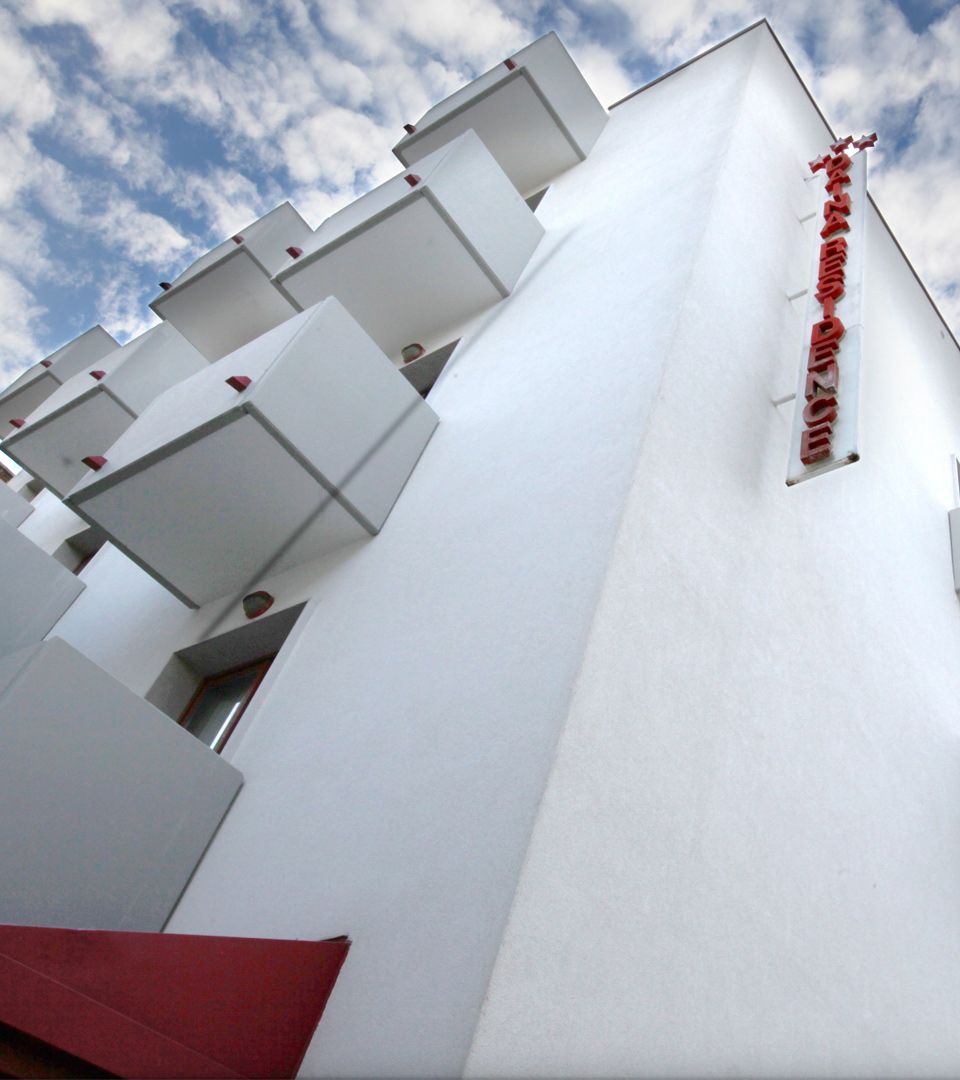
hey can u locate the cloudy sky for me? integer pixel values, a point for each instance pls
(136, 134)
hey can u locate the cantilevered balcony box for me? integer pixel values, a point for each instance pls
(14, 508)
(35, 590)
(294, 445)
(226, 298)
(107, 805)
(90, 411)
(423, 252)
(37, 383)
(535, 113)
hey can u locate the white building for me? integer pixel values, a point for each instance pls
(612, 753)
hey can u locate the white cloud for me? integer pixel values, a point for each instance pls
(27, 97)
(334, 145)
(122, 310)
(131, 37)
(137, 234)
(19, 313)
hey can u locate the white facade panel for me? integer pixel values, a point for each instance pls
(746, 857)
(35, 590)
(534, 112)
(90, 411)
(212, 488)
(417, 715)
(416, 257)
(35, 385)
(107, 804)
(14, 508)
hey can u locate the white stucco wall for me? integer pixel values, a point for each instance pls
(746, 859)
(393, 774)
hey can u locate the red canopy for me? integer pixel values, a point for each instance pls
(163, 1005)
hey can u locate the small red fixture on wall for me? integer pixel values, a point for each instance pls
(98, 375)
(409, 128)
(239, 382)
(46, 363)
(294, 252)
(256, 604)
(95, 462)
(412, 179)
(165, 285)
(17, 423)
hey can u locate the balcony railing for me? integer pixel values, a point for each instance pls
(417, 257)
(37, 383)
(226, 298)
(535, 113)
(90, 411)
(35, 590)
(292, 446)
(107, 805)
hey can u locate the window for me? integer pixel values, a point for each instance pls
(220, 701)
(207, 686)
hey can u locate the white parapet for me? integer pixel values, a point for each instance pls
(534, 111)
(107, 805)
(37, 383)
(294, 445)
(14, 507)
(423, 252)
(90, 411)
(35, 590)
(226, 298)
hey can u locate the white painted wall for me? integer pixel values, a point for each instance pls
(746, 859)
(393, 773)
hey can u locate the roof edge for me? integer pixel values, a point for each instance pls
(806, 89)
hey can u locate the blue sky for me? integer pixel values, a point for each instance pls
(136, 135)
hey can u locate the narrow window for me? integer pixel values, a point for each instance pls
(220, 701)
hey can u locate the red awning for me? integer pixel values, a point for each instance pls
(165, 1005)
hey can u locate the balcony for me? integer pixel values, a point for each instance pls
(14, 508)
(37, 383)
(35, 590)
(304, 450)
(534, 112)
(107, 804)
(417, 257)
(226, 298)
(90, 411)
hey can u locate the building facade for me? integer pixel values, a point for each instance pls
(437, 584)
